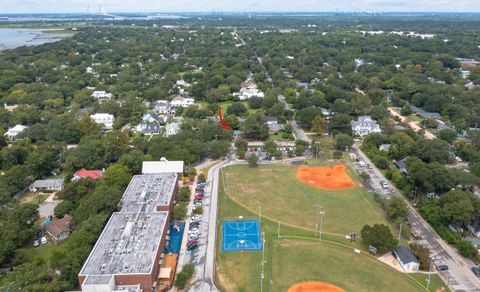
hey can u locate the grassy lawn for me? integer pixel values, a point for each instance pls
(415, 118)
(295, 261)
(28, 254)
(435, 284)
(32, 198)
(289, 261)
(282, 197)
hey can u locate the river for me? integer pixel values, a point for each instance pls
(11, 38)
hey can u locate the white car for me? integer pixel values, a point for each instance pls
(194, 231)
(197, 217)
(44, 240)
(193, 236)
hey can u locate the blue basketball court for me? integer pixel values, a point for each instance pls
(241, 235)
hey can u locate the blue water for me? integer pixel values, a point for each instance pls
(11, 38)
(241, 235)
(175, 238)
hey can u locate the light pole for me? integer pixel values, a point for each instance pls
(262, 275)
(321, 223)
(259, 215)
(317, 207)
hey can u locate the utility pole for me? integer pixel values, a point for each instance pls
(278, 230)
(429, 273)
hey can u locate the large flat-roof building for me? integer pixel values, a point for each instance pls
(128, 254)
(128, 250)
(150, 193)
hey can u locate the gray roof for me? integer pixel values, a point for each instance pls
(146, 192)
(47, 183)
(427, 115)
(127, 245)
(402, 166)
(405, 255)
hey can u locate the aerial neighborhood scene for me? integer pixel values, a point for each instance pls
(298, 146)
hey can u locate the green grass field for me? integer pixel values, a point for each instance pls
(289, 261)
(282, 197)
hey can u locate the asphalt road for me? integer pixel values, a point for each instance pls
(458, 276)
(297, 130)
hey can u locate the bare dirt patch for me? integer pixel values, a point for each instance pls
(326, 178)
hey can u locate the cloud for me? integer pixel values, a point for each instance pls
(29, 6)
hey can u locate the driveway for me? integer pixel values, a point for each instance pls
(48, 206)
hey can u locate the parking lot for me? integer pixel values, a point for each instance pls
(374, 183)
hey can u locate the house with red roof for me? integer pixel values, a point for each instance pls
(95, 174)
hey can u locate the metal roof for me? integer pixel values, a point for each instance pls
(405, 255)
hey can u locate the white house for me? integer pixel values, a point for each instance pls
(364, 126)
(172, 129)
(106, 120)
(406, 258)
(180, 101)
(150, 124)
(13, 132)
(102, 95)
(248, 90)
(162, 107)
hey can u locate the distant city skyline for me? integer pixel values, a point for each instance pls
(113, 6)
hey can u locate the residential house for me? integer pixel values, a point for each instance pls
(59, 230)
(46, 185)
(384, 147)
(327, 114)
(162, 107)
(85, 173)
(248, 90)
(12, 133)
(406, 258)
(180, 101)
(172, 129)
(273, 126)
(402, 166)
(150, 124)
(101, 95)
(475, 241)
(441, 125)
(474, 226)
(9, 108)
(467, 63)
(237, 133)
(106, 120)
(423, 114)
(455, 227)
(364, 125)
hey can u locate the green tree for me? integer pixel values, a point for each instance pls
(396, 209)
(448, 135)
(319, 125)
(342, 141)
(467, 249)
(379, 236)
(341, 124)
(252, 160)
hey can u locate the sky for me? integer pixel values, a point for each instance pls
(41, 6)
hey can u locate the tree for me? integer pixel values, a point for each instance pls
(305, 116)
(423, 255)
(432, 150)
(458, 207)
(318, 125)
(379, 113)
(467, 249)
(379, 236)
(341, 124)
(448, 135)
(401, 145)
(237, 108)
(255, 102)
(396, 209)
(253, 160)
(254, 127)
(406, 110)
(342, 141)
(217, 149)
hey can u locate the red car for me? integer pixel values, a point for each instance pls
(192, 242)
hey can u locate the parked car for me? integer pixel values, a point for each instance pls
(192, 247)
(442, 267)
(475, 271)
(194, 224)
(384, 184)
(415, 235)
(36, 243)
(198, 197)
(193, 236)
(194, 231)
(190, 242)
(39, 233)
(198, 202)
